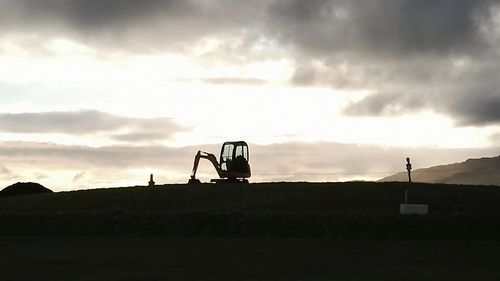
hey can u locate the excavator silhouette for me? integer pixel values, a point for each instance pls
(233, 164)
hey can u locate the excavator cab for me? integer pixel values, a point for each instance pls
(234, 157)
(232, 166)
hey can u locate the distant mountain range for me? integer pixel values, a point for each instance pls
(482, 171)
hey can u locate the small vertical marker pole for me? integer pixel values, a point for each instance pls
(151, 182)
(406, 195)
(408, 168)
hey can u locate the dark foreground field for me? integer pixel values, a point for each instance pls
(278, 231)
(160, 258)
(331, 210)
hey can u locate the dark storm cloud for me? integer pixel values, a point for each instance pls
(314, 26)
(387, 104)
(478, 110)
(468, 109)
(407, 53)
(386, 27)
(84, 16)
(127, 25)
(403, 51)
(476, 95)
(88, 122)
(470, 94)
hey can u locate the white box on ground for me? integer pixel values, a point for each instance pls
(413, 209)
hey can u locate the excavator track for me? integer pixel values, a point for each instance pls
(228, 181)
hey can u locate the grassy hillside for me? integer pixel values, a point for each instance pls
(339, 198)
(482, 171)
(341, 210)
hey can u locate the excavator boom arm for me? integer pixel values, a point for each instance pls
(210, 157)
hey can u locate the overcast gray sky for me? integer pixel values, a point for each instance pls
(99, 93)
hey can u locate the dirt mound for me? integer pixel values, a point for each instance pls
(24, 188)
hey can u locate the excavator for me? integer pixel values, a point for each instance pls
(232, 166)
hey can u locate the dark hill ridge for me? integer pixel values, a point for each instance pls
(481, 171)
(352, 210)
(331, 198)
(24, 188)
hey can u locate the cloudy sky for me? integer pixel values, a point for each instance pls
(100, 93)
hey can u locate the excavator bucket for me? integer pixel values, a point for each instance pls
(194, 181)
